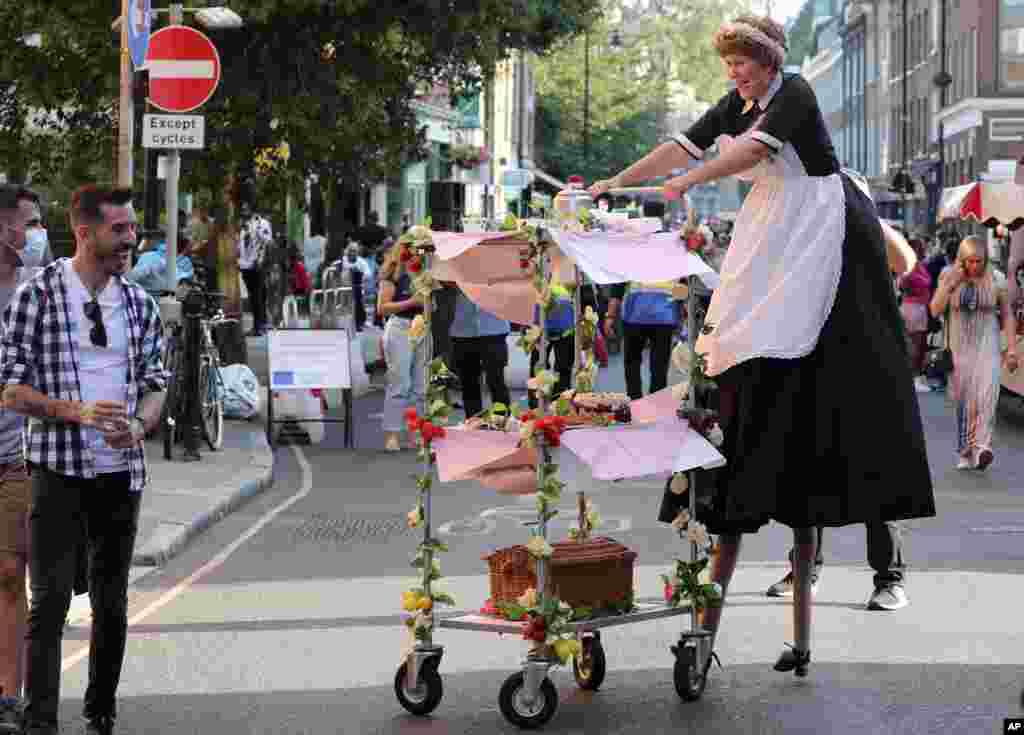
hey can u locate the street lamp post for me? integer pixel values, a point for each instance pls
(942, 81)
(906, 121)
(586, 100)
(126, 109)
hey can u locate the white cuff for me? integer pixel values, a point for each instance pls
(769, 140)
(688, 145)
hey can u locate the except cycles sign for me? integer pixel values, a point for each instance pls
(173, 131)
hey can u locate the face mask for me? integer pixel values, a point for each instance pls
(36, 241)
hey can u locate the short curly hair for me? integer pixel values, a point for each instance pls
(759, 38)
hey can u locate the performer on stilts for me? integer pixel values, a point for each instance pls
(805, 310)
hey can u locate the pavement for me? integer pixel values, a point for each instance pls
(293, 622)
(183, 499)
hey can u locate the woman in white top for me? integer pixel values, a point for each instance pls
(803, 336)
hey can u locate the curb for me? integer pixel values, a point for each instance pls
(167, 545)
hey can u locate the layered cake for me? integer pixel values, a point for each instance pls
(615, 405)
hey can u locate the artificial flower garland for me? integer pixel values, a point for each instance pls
(416, 601)
(417, 244)
(690, 580)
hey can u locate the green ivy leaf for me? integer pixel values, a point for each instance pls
(443, 598)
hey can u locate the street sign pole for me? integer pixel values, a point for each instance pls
(173, 172)
(126, 107)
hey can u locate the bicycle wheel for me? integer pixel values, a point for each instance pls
(169, 413)
(211, 392)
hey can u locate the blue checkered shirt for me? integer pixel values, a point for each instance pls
(39, 348)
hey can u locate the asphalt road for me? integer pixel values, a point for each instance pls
(283, 618)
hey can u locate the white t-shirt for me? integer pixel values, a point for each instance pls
(102, 371)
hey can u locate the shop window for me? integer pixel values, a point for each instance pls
(1011, 44)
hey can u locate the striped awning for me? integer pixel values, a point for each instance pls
(985, 202)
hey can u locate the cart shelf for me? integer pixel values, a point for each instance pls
(492, 624)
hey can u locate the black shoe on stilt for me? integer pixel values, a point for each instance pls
(794, 660)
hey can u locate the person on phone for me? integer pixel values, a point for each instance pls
(977, 298)
(80, 356)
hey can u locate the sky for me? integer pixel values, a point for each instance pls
(782, 10)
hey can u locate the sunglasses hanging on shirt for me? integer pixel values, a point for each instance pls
(98, 333)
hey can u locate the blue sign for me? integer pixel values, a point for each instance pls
(140, 18)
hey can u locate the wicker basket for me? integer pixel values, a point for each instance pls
(590, 573)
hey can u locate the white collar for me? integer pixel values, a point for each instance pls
(765, 99)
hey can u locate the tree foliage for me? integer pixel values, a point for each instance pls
(333, 80)
(663, 61)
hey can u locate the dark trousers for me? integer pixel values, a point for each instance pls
(563, 347)
(637, 337)
(441, 323)
(885, 552)
(476, 355)
(66, 510)
(253, 278)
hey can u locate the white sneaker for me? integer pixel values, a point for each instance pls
(964, 464)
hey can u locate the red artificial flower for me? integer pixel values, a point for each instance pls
(415, 266)
(406, 255)
(524, 264)
(669, 592)
(694, 241)
(490, 608)
(410, 414)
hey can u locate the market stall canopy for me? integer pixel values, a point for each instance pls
(989, 203)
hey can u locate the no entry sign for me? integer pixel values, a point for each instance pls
(184, 69)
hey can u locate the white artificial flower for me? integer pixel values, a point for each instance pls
(680, 484)
(696, 533)
(539, 547)
(717, 588)
(528, 598)
(682, 358)
(418, 328)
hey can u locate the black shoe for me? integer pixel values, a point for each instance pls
(101, 725)
(794, 660)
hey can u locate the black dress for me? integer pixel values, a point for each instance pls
(827, 432)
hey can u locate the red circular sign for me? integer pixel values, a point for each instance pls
(184, 69)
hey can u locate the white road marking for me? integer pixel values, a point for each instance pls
(215, 562)
(172, 69)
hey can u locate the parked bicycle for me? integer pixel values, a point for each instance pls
(209, 380)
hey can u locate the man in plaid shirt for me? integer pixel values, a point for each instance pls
(80, 356)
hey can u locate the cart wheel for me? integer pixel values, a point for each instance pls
(589, 667)
(524, 714)
(428, 692)
(689, 681)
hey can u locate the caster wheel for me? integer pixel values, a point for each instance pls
(590, 666)
(527, 715)
(428, 692)
(689, 681)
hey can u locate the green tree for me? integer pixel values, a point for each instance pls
(334, 81)
(662, 58)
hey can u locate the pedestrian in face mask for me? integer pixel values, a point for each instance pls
(23, 247)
